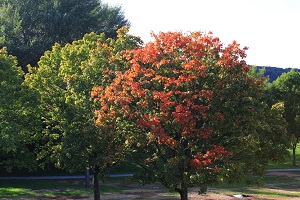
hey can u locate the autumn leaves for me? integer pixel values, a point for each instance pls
(167, 93)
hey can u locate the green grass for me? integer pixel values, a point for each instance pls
(275, 181)
(288, 162)
(284, 183)
(40, 189)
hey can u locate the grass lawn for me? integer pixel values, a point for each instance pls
(286, 187)
(276, 186)
(46, 189)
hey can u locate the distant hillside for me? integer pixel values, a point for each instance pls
(274, 72)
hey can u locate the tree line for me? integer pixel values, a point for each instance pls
(185, 108)
(274, 72)
(29, 28)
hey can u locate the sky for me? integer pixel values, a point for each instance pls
(270, 28)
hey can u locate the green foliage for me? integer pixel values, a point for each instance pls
(277, 141)
(10, 25)
(257, 73)
(17, 108)
(29, 28)
(286, 88)
(64, 80)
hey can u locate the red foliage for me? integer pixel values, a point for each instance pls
(200, 161)
(166, 91)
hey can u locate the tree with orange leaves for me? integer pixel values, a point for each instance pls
(197, 112)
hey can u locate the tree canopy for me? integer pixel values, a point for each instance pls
(199, 115)
(17, 113)
(274, 72)
(29, 28)
(64, 79)
(286, 89)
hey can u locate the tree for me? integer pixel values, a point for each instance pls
(64, 79)
(28, 34)
(199, 116)
(286, 89)
(277, 139)
(17, 108)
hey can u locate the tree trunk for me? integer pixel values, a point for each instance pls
(87, 178)
(183, 194)
(294, 154)
(96, 182)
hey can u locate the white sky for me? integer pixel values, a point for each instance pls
(270, 28)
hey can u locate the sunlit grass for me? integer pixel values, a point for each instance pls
(40, 189)
(40, 194)
(12, 192)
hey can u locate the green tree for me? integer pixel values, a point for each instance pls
(64, 79)
(199, 115)
(286, 88)
(17, 110)
(277, 141)
(29, 28)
